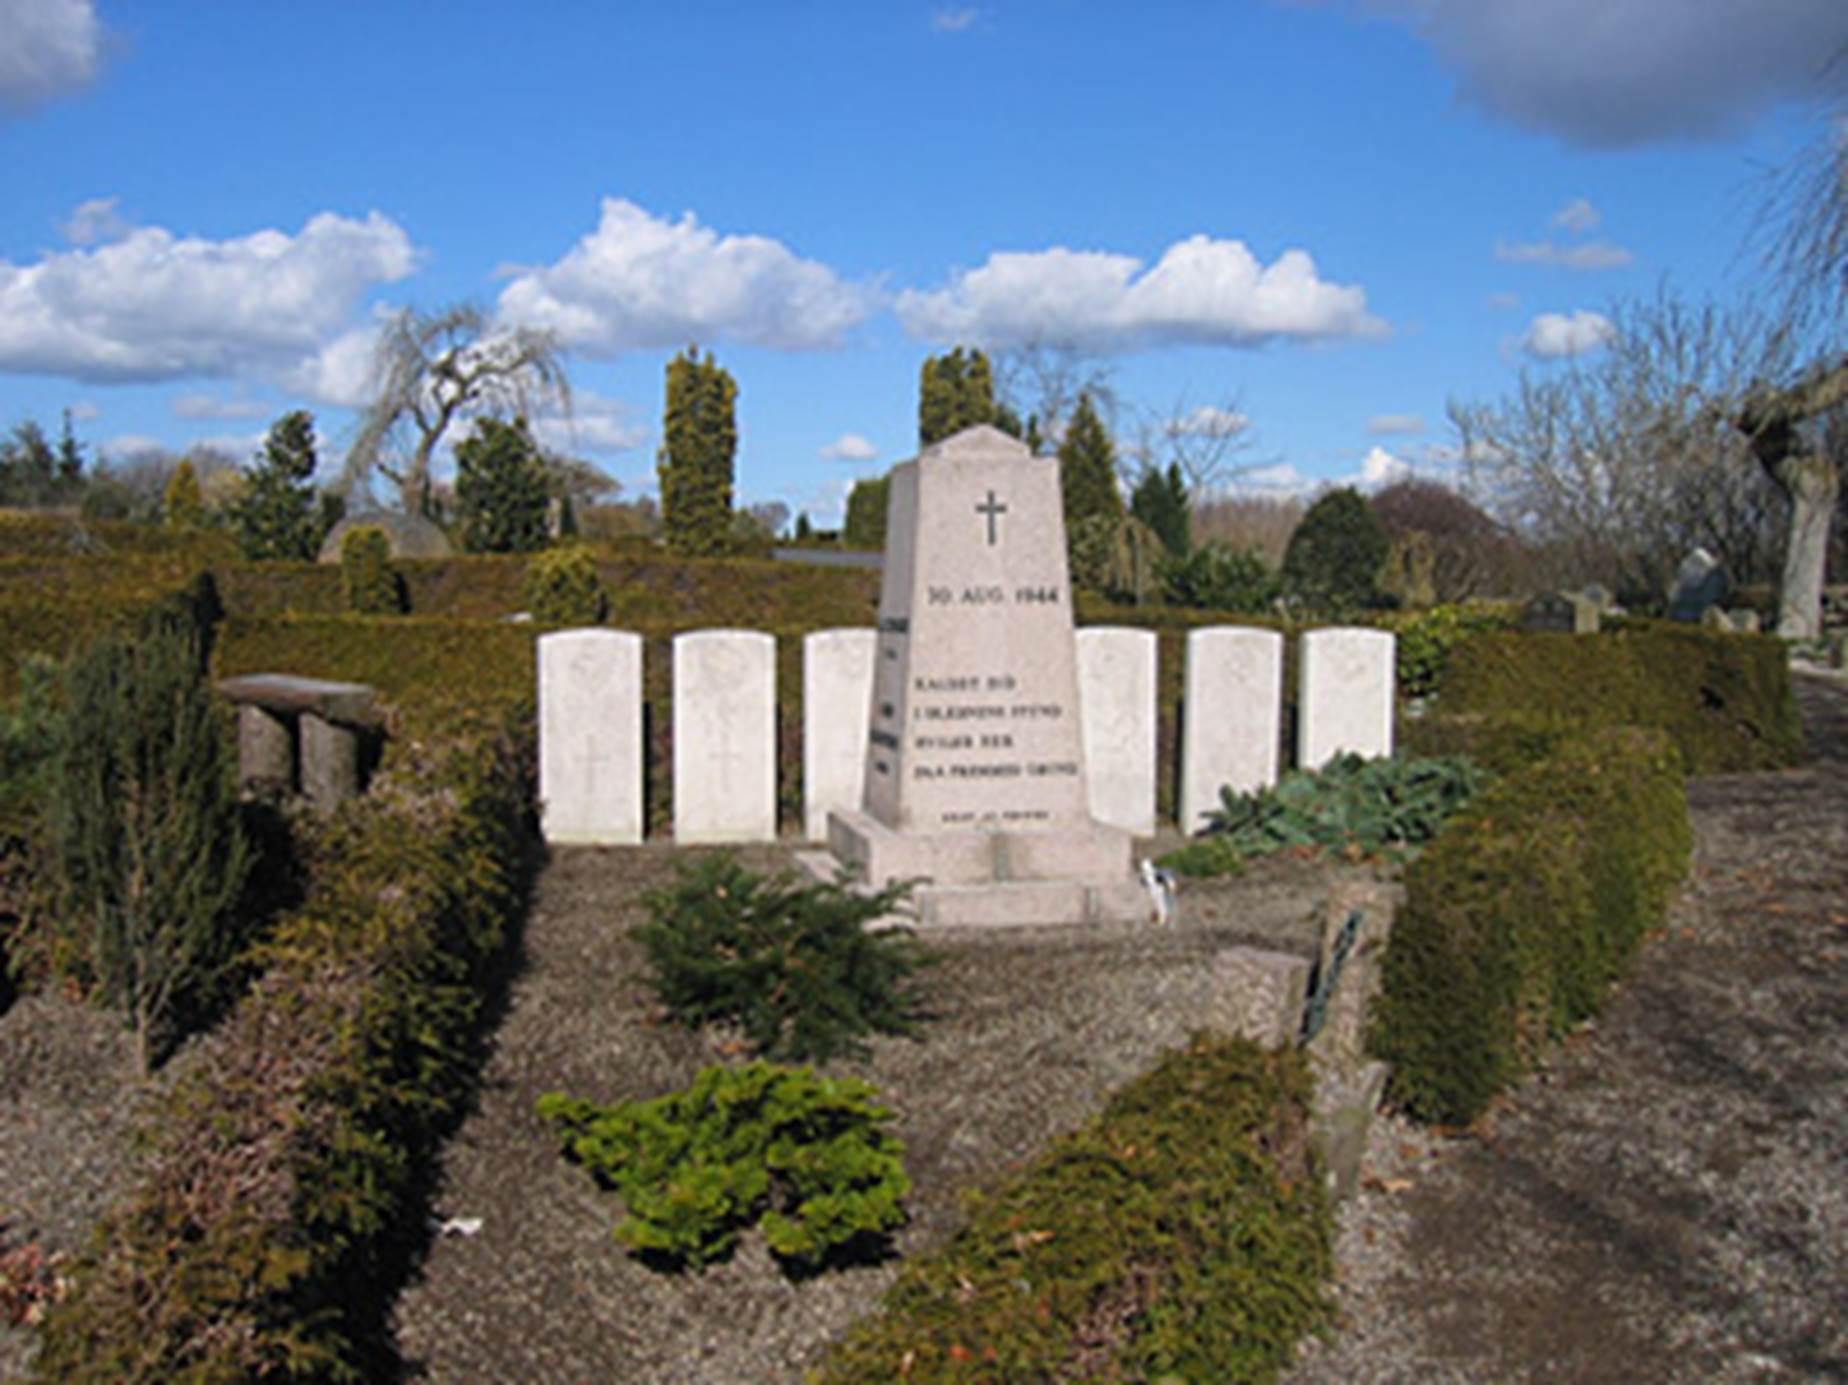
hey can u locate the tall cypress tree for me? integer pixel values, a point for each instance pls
(1087, 468)
(956, 391)
(700, 439)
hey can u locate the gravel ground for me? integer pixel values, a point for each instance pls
(1667, 1202)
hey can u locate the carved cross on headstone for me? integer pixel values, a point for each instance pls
(993, 509)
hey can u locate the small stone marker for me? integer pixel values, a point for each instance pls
(975, 763)
(1116, 687)
(1550, 613)
(1700, 582)
(590, 737)
(1232, 716)
(1346, 697)
(724, 736)
(837, 687)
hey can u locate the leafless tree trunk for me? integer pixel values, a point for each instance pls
(1806, 472)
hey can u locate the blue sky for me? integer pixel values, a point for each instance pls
(1325, 219)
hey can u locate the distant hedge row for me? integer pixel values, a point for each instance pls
(1184, 1234)
(287, 1173)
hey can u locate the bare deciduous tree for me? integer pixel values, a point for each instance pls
(433, 368)
(1041, 383)
(1622, 462)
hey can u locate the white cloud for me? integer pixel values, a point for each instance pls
(850, 447)
(639, 282)
(340, 372)
(953, 20)
(597, 424)
(211, 406)
(154, 306)
(52, 47)
(1277, 481)
(1201, 292)
(1591, 255)
(1610, 75)
(94, 221)
(1552, 336)
(126, 447)
(85, 412)
(1381, 468)
(1388, 425)
(1577, 217)
(1504, 302)
(1209, 422)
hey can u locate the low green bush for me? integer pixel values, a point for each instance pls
(287, 1170)
(790, 962)
(1183, 1234)
(562, 587)
(1351, 804)
(1724, 699)
(1523, 912)
(807, 1158)
(1219, 577)
(1425, 638)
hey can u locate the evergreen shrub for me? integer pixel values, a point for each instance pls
(790, 962)
(284, 1171)
(562, 587)
(1354, 805)
(1184, 1233)
(149, 844)
(807, 1158)
(1523, 912)
(372, 587)
(1333, 561)
(1423, 640)
(1217, 577)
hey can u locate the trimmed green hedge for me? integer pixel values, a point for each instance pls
(288, 1171)
(1523, 912)
(1724, 699)
(1184, 1233)
(56, 534)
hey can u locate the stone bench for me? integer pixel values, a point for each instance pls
(301, 735)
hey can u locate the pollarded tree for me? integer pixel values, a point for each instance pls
(502, 493)
(275, 516)
(956, 391)
(432, 369)
(1333, 562)
(1087, 468)
(700, 440)
(150, 847)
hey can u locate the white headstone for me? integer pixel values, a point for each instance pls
(1346, 694)
(1231, 719)
(590, 736)
(1116, 688)
(724, 736)
(837, 690)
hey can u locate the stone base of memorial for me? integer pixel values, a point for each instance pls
(975, 771)
(992, 879)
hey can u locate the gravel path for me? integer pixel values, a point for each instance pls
(1668, 1201)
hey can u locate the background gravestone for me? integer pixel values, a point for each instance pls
(1700, 582)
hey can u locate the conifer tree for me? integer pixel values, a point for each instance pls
(1333, 562)
(865, 524)
(501, 492)
(275, 517)
(1087, 468)
(957, 391)
(695, 467)
(151, 850)
(1161, 501)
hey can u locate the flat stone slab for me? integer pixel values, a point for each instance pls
(880, 855)
(350, 704)
(1006, 904)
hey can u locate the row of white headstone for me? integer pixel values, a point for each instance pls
(724, 770)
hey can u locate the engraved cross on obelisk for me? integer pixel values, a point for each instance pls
(993, 509)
